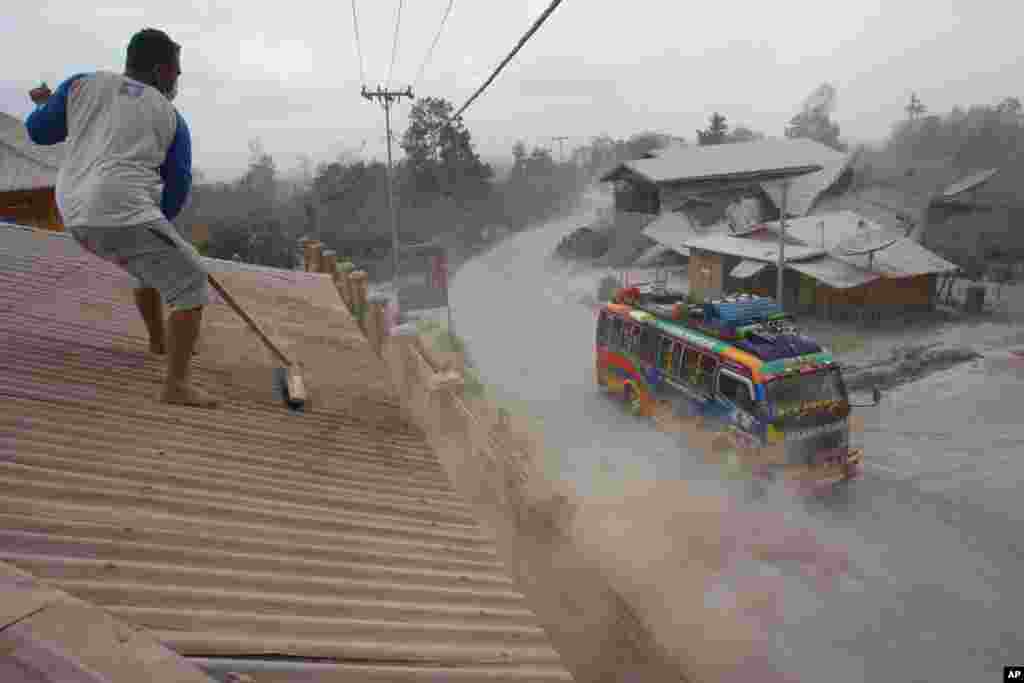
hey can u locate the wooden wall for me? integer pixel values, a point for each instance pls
(707, 274)
(886, 298)
(35, 208)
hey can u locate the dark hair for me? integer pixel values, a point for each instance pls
(150, 48)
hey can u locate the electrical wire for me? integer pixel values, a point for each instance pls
(430, 50)
(394, 45)
(359, 47)
(522, 41)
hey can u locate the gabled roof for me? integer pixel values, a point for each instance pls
(903, 258)
(755, 161)
(888, 207)
(805, 190)
(828, 262)
(248, 530)
(752, 249)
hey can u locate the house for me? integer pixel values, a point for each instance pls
(673, 177)
(976, 223)
(28, 177)
(251, 539)
(823, 276)
(717, 187)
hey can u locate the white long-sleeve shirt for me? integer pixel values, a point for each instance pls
(129, 151)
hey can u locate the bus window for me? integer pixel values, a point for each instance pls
(648, 344)
(692, 364)
(627, 337)
(615, 340)
(736, 391)
(708, 366)
(665, 354)
(631, 332)
(603, 326)
(677, 359)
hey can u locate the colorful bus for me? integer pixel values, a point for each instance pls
(740, 363)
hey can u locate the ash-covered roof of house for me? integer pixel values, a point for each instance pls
(805, 190)
(825, 231)
(903, 258)
(834, 273)
(971, 182)
(673, 230)
(759, 160)
(889, 207)
(752, 249)
(247, 530)
(825, 260)
(25, 165)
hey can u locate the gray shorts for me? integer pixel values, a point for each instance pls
(156, 255)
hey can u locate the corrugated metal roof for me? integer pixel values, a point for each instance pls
(888, 207)
(805, 190)
(673, 230)
(733, 159)
(248, 530)
(971, 182)
(745, 269)
(755, 250)
(834, 273)
(905, 257)
(833, 228)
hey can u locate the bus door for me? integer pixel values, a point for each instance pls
(736, 392)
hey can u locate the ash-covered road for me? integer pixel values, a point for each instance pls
(933, 528)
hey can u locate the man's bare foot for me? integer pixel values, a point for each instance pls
(189, 396)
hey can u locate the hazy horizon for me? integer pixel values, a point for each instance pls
(293, 79)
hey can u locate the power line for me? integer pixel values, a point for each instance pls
(437, 37)
(359, 47)
(522, 41)
(394, 46)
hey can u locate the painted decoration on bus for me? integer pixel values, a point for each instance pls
(784, 365)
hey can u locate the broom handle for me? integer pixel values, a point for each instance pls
(253, 325)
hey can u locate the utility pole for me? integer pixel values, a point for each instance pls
(561, 152)
(782, 244)
(386, 98)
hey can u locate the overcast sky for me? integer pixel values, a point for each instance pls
(287, 72)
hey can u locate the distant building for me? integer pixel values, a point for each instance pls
(977, 224)
(728, 228)
(821, 278)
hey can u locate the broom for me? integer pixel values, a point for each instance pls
(288, 382)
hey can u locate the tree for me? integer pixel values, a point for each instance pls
(646, 142)
(716, 133)
(915, 109)
(814, 120)
(440, 159)
(1009, 105)
(261, 179)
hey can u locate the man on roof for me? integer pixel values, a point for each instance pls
(126, 176)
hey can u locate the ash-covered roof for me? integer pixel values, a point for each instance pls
(248, 530)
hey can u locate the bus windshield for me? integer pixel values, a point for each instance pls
(789, 393)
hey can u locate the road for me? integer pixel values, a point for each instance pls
(931, 527)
